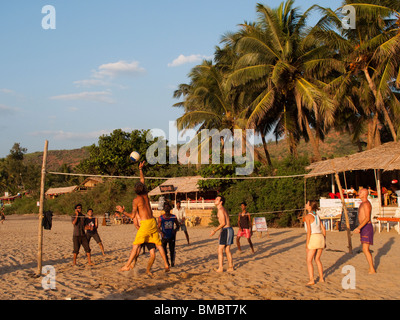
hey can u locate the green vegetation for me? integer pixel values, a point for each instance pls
(15, 176)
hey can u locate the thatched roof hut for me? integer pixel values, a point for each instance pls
(385, 157)
(53, 192)
(382, 158)
(179, 185)
(91, 182)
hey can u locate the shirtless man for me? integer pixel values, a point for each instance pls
(365, 228)
(226, 235)
(148, 231)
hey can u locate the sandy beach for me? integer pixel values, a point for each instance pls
(276, 271)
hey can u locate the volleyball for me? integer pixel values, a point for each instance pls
(134, 156)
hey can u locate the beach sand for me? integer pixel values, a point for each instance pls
(277, 270)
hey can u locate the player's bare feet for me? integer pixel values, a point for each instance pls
(125, 268)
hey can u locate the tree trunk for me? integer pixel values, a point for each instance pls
(359, 146)
(257, 154)
(266, 149)
(292, 145)
(289, 137)
(370, 140)
(372, 132)
(312, 140)
(379, 103)
(303, 118)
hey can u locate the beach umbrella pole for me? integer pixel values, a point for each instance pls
(41, 206)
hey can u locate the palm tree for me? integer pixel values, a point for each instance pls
(376, 55)
(370, 54)
(281, 60)
(208, 104)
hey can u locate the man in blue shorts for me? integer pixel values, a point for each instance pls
(226, 235)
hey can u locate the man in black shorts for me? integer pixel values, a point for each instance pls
(79, 236)
(91, 226)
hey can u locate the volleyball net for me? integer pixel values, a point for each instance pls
(204, 179)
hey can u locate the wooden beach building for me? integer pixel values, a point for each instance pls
(52, 193)
(197, 203)
(381, 164)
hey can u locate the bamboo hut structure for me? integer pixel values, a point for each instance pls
(91, 182)
(180, 185)
(385, 157)
(51, 193)
(198, 210)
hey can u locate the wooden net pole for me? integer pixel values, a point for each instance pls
(346, 214)
(379, 189)
(41, 206)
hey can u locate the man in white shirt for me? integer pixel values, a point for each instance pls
(180, 213)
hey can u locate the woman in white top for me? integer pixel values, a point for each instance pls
(315, 240)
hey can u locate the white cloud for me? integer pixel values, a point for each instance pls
(6, 110)
(120, 68)
(87, 83)
(99, 96)
(91, 83)
(105, 73)
(5, 90)
(187, 59)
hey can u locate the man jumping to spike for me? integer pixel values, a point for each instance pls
(148, 231)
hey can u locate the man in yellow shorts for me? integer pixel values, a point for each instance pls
(148, 231)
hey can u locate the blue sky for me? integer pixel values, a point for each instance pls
(107, 65)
